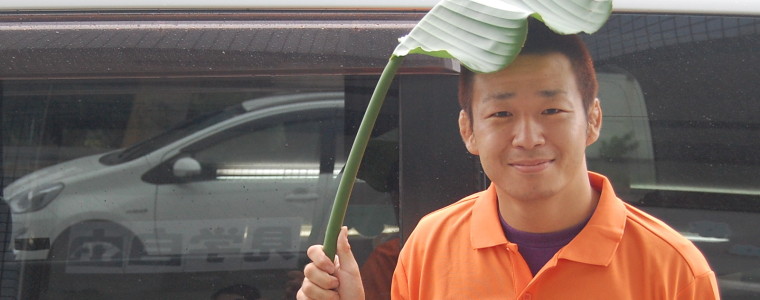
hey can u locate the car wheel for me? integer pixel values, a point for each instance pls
(93, 249)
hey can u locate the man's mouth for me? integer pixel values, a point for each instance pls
(531, 166)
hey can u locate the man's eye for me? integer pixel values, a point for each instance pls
(552, 111)
(502, 114)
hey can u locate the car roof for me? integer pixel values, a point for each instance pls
(739, 7)
(280, 100)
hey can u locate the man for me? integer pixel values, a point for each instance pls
(546, 228)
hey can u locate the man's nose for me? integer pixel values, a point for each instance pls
(528, 134)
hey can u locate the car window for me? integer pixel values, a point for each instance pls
(172, 135)
(295, 143)
(186, 169)
(680, 131)
(264, 189)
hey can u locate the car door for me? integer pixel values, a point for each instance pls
(259, 187)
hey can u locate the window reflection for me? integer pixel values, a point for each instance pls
(242, 190)
(680, 131)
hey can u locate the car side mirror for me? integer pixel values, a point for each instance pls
(186, 167)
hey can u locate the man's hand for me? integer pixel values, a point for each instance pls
(328, 280)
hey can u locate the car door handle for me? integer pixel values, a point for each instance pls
(301, 197)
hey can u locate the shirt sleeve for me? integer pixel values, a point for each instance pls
(704, 286)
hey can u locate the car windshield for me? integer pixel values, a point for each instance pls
(174, 134)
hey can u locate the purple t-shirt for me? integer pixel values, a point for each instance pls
(539, 248)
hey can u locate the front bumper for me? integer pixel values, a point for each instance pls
(31, 244)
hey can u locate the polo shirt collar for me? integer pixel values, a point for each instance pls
(485, 227)
(595, 244)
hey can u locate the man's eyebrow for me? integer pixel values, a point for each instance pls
(551, 93)
(510, 95)
(500, 96)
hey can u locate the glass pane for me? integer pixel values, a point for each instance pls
(175, 188)
(168, 155)
(681, 133)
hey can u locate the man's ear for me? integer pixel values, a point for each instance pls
(594, 122)
(465, 130)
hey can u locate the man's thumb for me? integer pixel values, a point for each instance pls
(343, 250)
(348, 270)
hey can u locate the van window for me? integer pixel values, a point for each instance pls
(173, 155)
(680, 131)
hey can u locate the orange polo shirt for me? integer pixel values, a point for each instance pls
(460, 252)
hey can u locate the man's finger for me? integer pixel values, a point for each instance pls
(311, 291)
(318, 258)
(319, 277)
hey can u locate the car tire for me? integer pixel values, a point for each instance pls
(92, 249)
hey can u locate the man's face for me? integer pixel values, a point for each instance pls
(529, 127)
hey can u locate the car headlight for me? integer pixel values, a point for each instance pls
(34, 199)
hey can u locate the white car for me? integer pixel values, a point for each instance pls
(236, 189)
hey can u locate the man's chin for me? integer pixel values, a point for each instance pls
(527, 191)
